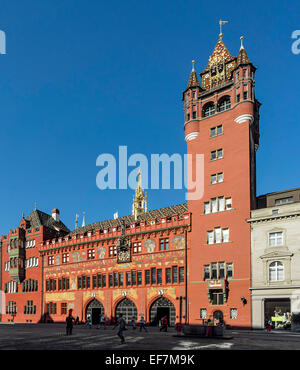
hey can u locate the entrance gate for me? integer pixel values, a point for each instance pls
(95, 309)
(128, 309)
(160, 308)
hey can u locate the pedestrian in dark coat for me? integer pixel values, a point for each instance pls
(69, 320)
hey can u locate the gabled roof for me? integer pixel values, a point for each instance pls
(38, 218)
(150, 215)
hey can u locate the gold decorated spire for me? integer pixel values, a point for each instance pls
(139, 204)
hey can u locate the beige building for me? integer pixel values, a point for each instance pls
(275, 256)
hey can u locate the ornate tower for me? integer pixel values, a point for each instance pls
(139, 204)
(222, 123)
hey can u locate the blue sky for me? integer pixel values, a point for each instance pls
(81, 78)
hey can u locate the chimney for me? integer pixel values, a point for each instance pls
(55, 214)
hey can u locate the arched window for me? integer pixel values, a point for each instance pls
(224, 103)
(209, 109)
(276, 271)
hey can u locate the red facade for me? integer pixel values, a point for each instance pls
(189, 262)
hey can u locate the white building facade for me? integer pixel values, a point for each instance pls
(275, 257)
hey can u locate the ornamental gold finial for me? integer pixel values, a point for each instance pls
(242, 38)
(193, 70)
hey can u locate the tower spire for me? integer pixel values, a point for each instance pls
(193, 80)
(83, 220)
(242, 58)
(139, 204)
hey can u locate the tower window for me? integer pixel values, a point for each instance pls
(224, 104)
(194, 114)
(209, 109)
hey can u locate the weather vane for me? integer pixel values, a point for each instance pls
(221, 24)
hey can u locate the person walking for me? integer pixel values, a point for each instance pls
(69, 320)
(164, 324)
(133, 323)
(209, 328)
(121, 327)
(143, 324)
(89, 321)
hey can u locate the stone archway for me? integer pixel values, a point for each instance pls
(127, 308)
(218, 315)
(95, 309)
(162, 307)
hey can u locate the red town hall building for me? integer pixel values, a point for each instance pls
(189, 262)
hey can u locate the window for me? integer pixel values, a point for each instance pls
(110, 277)
(94, 281)
(147, 277)
(112, 251)
(206, 272)
(29, 309)
(64, 308)
(229, 270)
(128, 278)
(153, 275)
(224, 104)
(50, 260)
(175, 274)
(216, 154)
(194, 114)
(88, 282)
(214, 271)
(217, 270)
(225, 233)
(103, 281)
(65, 258)
(159, 276)
(216, 131)
(91, 254)
(121, 279)
(133, 277)
(99, 280)
(275, 239)
(79, 285)
(209, 109)
(217, 205)
(228, 203)
(203, 313)
(233, 313)
(216, 178)
(217, 297)
(137, 247)
(217, 236)
(181, 274)
(164, 244)
(116, 279)
(168, 276)
(210, 237)
(276, 271)
(280, 201)
(139, 277)
(245, 92)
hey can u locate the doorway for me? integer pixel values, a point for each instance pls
(94, 309)
(160, 308)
